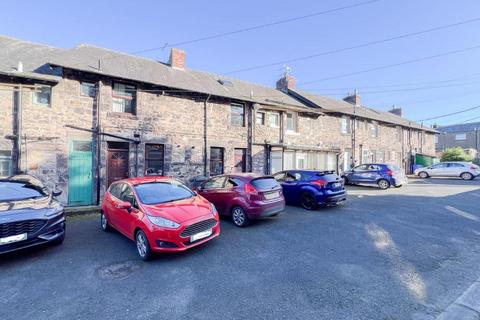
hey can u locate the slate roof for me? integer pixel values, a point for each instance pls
(466, 127)
(34, 58)
(124, 66)
(339, 106)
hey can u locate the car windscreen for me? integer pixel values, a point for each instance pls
(263, 184)
(16, 191)
(162, 192)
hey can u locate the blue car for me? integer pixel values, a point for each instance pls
(311, 189)
(379, 174)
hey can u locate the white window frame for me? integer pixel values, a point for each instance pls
(373, 127)
(133, 97)
(345, 124)
(263, 118)
(276, 115)
(38, 87)
(237, 105)
(294, 122)
(90, 85)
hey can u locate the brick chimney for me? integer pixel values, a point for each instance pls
(177, 59)
(353, 98)
(286, 82)
(396, 111)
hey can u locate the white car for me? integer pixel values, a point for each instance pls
(464, 170)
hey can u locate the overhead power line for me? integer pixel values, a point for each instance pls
(260, 26)
(363, 45)
(393, 65)
(450, 114)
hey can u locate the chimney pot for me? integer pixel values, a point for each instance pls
(177, 59)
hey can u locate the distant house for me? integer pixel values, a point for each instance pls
(82, 118)
(466, 136)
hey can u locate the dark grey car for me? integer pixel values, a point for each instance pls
(29, 214)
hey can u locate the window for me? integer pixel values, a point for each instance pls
(291, 122)
(154, 159)
(42, 95)
(214, 183)
(5, 163)
(124, 98)
(436, 139)
(115, 190)
(260, 118)
(274, 120)
(346, 125)
(216, 160)
(237, 115)
(379, 156)
(365, 156)
(373, 127)
(127, 195)
(88, 89)
(461, 137)
(240, 156)
(276, 161)
(398, 133)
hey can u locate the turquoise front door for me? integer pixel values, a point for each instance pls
(80, 171)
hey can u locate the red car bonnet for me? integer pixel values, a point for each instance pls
(182, 210)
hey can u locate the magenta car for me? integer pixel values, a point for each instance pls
(244, 196)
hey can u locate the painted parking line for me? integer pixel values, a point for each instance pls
(467, 306)
(462, 213)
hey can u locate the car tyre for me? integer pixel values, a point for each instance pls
(383, 184)
(240, 217)
(143, 247)
(307, 200)
(104, 222)
(345, 181)
(423, 175)
(466, 176)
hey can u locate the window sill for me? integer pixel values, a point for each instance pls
(293, 133)
(122, 115)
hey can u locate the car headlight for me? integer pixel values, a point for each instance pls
(214, 210)
(162, 222)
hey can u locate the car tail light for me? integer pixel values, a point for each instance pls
(320, 183)
(249, 189)
(390, 173)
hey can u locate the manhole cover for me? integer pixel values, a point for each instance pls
(119, 270)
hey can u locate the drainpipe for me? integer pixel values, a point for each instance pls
(250, 124)
(98, 140)
(17, 125)
(205, 136)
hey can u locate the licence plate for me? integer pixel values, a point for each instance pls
(15, 238)
(200, 235)
(337, 185)
(273, 195)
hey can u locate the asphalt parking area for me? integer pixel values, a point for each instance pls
(404, 253)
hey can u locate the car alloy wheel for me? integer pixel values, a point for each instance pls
(383, 184)
(143, 247)
(308, 201)
(104, 222)
(466, 176)
(423, 175)
(239, 217)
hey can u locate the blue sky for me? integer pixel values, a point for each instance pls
(131, 26)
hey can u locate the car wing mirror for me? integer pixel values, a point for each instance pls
(56, 193)
(124, 205)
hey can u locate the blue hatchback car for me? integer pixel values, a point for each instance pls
(379, 174)
(311, 189)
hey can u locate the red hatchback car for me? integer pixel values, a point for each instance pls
(160, 214)
(244, 197)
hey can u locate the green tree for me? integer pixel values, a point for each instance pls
(455, 154)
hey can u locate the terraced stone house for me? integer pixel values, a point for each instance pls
(82, 118)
